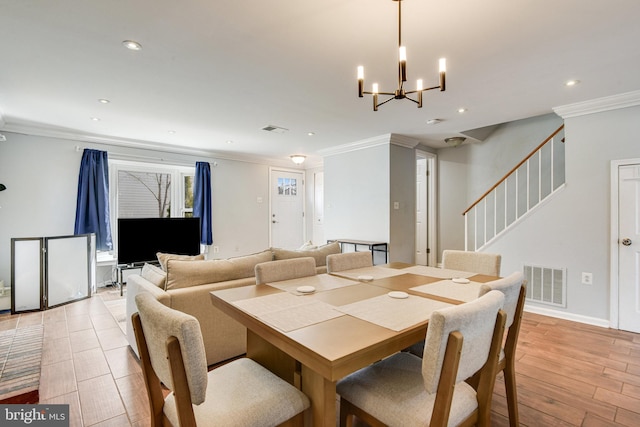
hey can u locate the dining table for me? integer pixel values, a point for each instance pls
(313, 331)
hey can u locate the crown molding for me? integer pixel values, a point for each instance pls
(386, 139)
(73, 135)
(403, 141)
(607, 103)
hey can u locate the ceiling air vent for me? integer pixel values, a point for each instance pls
(274, 129)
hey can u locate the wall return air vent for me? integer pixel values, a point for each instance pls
(546, 285)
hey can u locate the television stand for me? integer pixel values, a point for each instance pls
(120, 269)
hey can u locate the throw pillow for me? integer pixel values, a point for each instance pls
(154, 274)
(307, 245)
(183, 274)
(319, 254)
(163, 258)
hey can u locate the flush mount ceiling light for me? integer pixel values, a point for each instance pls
(400, 93)
(132, 45)
(454, 141)
(298, 159)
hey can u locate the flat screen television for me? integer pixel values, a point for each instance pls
(139, 239)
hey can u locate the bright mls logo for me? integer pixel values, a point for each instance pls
(34, 415)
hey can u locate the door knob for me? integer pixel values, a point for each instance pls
(626, 241)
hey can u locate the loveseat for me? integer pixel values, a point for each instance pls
(185, 284)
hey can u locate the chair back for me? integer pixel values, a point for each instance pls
(476, 321)
(476, 262)
(159, 324)
(285, 269)
(349, 261)
(510, 287)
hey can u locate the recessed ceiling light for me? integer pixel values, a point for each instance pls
(132, 45)
(95, 119)
(433, 121)
(229, 141)
(462, 110)
(572, 82)
(311, 133)
(103, 101)
(171, 132)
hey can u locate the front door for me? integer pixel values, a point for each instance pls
(287, 209)
(629, 247)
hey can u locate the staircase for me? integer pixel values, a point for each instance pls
(532, 181)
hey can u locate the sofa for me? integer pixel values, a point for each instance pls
(185, 283)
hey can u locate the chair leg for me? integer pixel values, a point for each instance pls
(512, 394)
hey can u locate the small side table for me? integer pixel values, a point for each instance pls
(380, 248)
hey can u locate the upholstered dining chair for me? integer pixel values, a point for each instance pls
(348, 261)
(284, 269)
(476, 262)
(404, 390)
(239, 393)
(514, 289)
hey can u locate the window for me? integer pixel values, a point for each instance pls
(148, 190)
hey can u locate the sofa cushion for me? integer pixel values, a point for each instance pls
(154, 274)
(163, 258)
(319, 254)
(183, 274)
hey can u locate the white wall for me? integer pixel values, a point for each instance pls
(41, 175)
(357, 194)
(402, 227)
(572, 230)
(467, 171)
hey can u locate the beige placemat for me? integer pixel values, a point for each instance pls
(392, 313)
(301, 316)
(442, 273)
(322, 282)
(446, 288)
(375, 272)
(288, 312)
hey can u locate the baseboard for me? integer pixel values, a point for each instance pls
(603, 323)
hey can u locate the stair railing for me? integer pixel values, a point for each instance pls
(532, 181)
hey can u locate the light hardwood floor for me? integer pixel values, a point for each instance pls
(568, 374)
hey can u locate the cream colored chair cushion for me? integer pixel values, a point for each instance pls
(510, 287)
(239, 393)
(275, 271)
(476, 262)
(243, 393)
(160, 322)
(401, 390)
(348, 261)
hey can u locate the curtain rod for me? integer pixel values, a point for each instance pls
(148, 159)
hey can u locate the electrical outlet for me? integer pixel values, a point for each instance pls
(216, 249)
(396, 205)
(587, 278)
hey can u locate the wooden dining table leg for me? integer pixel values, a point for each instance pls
(322, 394)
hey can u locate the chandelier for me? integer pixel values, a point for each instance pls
(400, 93)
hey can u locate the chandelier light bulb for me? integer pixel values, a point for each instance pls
(403, 53)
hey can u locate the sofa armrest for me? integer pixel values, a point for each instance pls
(135, 285)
